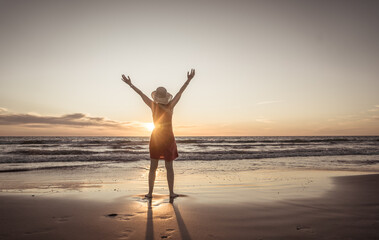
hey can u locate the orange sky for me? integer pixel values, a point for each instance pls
(262, 68)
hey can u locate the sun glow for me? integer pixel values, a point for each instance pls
(149, 126)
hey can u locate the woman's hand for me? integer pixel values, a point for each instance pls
(190, 75)
(143, 96)
(126, 79)
(175, 100)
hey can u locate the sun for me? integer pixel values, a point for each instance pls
(149, 126)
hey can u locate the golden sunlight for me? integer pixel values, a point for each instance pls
(149, 126)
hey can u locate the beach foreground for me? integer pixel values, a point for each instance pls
(280, 204)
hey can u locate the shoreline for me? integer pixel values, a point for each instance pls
(265, 204)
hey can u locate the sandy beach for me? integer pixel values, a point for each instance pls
(267, 113)
(108, 203)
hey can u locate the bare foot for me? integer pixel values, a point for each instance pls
(174, 195)
(149, 195)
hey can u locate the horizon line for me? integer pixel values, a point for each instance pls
(195, 136)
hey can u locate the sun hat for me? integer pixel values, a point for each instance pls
(161, 95)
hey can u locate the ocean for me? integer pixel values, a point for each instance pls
(334, 153)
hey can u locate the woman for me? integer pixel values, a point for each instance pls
(162, 141)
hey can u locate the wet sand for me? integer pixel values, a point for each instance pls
(342, 207)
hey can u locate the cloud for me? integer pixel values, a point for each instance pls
(72, 120)
(185, 126)
(375, 109)
(269, 102)
(263, 120)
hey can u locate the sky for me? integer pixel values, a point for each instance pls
(263, 68)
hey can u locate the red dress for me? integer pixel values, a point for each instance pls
(162, 141)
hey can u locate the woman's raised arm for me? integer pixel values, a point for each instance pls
(175, 100)
(145, 98)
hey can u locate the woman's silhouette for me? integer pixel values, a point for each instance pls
(162, 141)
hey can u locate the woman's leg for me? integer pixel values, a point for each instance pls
(153, 169)
(170, 178)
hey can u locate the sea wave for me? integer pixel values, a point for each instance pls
(124, 149)
(50, 152)
(125, 156)
(26, 169)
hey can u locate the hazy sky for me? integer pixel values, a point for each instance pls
(262, 67)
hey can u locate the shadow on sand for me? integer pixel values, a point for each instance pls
(150, 223)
